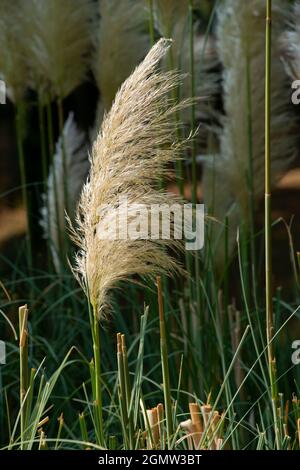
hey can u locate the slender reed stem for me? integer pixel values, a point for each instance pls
(268, 223)
(165, 364)
(64, 238)
(50, 129)
(55, 188)
(128, 391)
(268, 241)
(250, 178)
(60, 428)
(61, 128)
(122, 391)
(60, 115)
(29, 397)
(21, 156)
(97, 378)
(125, 392)
(192, 91)
(193, 125)
(151, 23)
(23, 345)
(175, 93)
(43, 144)
(83, 428)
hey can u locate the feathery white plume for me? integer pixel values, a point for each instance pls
(73, 143)
(136, 141)
(59, 40)
(290, 42)
(13, 68)
(122, 42)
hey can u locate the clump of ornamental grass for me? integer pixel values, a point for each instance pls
(59, 40)
(234, 179)
(77, 165)
(122, 41)
(13, 67)
(129, 157)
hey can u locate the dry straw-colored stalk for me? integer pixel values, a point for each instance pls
(136, 142)
(154, 426)
(152, 416)
(238, 171)
(77, 166)
(203, 429)
(122, 41)
(59, 40)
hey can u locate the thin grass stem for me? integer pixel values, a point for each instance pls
(165, 364)
(22, 168)
(268, 221)
(23, 345)
(97, 378)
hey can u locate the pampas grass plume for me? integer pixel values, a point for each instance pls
(122, 41)
(13, 68)
(290, 42)
(129, 156)
(77, 166)
(59, 40)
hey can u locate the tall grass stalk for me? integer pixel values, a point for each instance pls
(83, 427)
(60, 112)
(22, 168)
(193, 111)
(60, 428)
(250, 179)
(125, 392)
(23, 345)
(122, 391)
(50, 136)
(41, 114)
(175, 94)
(97, 379)
(165, 364)
(43, 146)
(151, 23)
(50, 128)
(193, 149)
(268, 221)
(63, 239)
